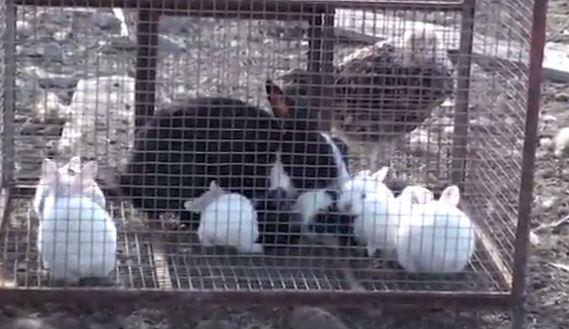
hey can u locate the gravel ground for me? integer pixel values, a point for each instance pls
(60, 54)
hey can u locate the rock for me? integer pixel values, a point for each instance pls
(50, 51)
(100, 119)
(548, 118)
(25, 323)
(548, 203)
(314, 317)
(24, 29)
(119, 44)
(171, 44)
(561, 97)
(561, 142)
(546, 143)
(106, 21)
(48, 105)
(62, 35)
(58, 82)
(64, 322)
(216, 324)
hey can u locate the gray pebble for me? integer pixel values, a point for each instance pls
(171, 44)
(106, 21)
(25, 323)
(58, 82)
(313, 318)
(50, 51)
(216, 324)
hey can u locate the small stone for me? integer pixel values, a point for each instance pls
(216, 324)
(27, 323)
(24, 28)
(170, 44)
(58, 82)
(562, 142)
(548, 203)
(561, 98)
(546, 142)
(62, 35)
(314, 317)
(50, 51)
(548, 118)
(106, 21)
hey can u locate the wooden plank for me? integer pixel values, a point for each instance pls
(487, 52)
(490, 248)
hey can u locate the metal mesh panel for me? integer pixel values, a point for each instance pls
(162, 113)
(2, 74)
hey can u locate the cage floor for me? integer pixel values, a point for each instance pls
(179, 263)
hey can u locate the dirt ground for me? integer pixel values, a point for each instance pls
(548, 300)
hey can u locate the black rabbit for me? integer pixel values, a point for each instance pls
(244, 148)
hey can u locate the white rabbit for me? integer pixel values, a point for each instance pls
(309, 203)
(416, 194)
(438, 238)
(66, 173)
(372, 202)
(227, 219)
(76, 237)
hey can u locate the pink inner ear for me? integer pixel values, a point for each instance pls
(380, 174)
(278, 100)
(451, 195)
(74, 164)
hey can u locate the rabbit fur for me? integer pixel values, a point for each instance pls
(66, 173)
(76, 237)
(438, 238)
(245, 149)
(376, 210)
(227, 219)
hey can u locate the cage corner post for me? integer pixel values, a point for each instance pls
(464, 61)
(537, 46)
(8, 10)
(146, 64)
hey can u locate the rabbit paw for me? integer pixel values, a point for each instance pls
(168, 221)
(378, 263)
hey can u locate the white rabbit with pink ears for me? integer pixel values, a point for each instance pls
(438, 237)
(76, 237)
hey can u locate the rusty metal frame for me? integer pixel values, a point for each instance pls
(528, 163)
(320, 15)
(8, 87)
(168, 298)
(225, 7)
(460, 135)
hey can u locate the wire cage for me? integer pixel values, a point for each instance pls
(183, 102)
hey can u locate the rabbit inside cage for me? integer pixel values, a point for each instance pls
(234, 166)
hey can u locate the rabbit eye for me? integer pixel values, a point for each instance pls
(363, 196)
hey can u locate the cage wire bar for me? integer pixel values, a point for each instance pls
(151, 279)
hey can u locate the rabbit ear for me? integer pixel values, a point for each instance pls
(380, 174)
(74, 165)
(84, 177)
(49, 169)
(89, 170)
(191, 205)
(200, 203)
(418, 194)
(451, 195)
(278, 100)
(213, 185)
